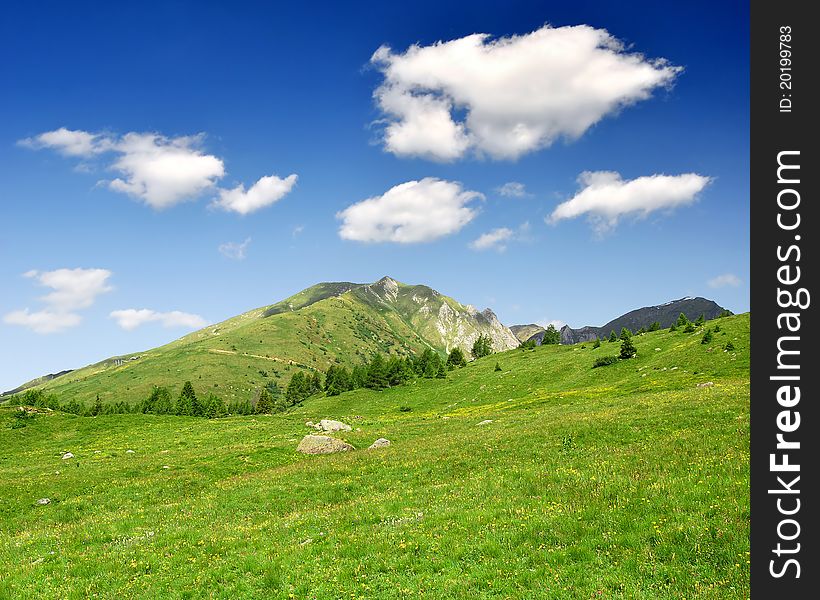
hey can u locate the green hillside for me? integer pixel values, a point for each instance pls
(626, 481)
(327, 324)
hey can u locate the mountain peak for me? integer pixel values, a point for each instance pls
(387, 280)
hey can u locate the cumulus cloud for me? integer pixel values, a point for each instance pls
(495, 239)
(131, 318)
(415, 211)
(513, 189)
(498, 239)
(263, 193)
(161, 171)
(69, 142)
(42, 321)
(235, 250)
(557, 323)
(605, 197)
(72, 290)
(725, 280)
(518, 93)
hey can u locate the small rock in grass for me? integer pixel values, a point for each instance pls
(657, 349)
(379, 443)
(129, 452)
(331, 425)
(486, 422)
(43, 501)
(706, 384)
(322, 444)
(165, 467)
(67, 455)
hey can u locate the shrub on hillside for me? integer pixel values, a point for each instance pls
(604, 361)
(689, 328)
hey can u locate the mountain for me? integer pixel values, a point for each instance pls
(326, 324)
(525, 332)
(665, 314)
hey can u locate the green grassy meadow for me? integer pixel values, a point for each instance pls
(626, 481)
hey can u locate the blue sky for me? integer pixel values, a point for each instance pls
(245, 91)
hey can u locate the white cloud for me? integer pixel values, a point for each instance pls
(69, 142)
(235, 250)
(415, 211)
(161, 171)
(72, 290)
(605, 197)
(557, 323)
(164, 171)
(297, 230)
(496, 239)
(518, 94)
(43, 321)
(725, 280)
(513, 189)
(131, 318)
(263, 193)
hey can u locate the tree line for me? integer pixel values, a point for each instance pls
(378, 373)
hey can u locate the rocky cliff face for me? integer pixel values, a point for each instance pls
(525, 332)
(442, 321)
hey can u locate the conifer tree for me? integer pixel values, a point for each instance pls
(376, 374)
(551, 336)
(628, 349)
(264, 404)
(456, 359)
(483, 346)
(185, 400)
(682, 320)
(612, 336)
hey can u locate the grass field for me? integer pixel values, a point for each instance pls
(626, 481)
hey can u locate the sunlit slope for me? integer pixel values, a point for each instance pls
(331, 323)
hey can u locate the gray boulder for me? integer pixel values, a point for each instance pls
(322, 444)
(331, 425)
(43, 501)
(67, 455)
(379, 443)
